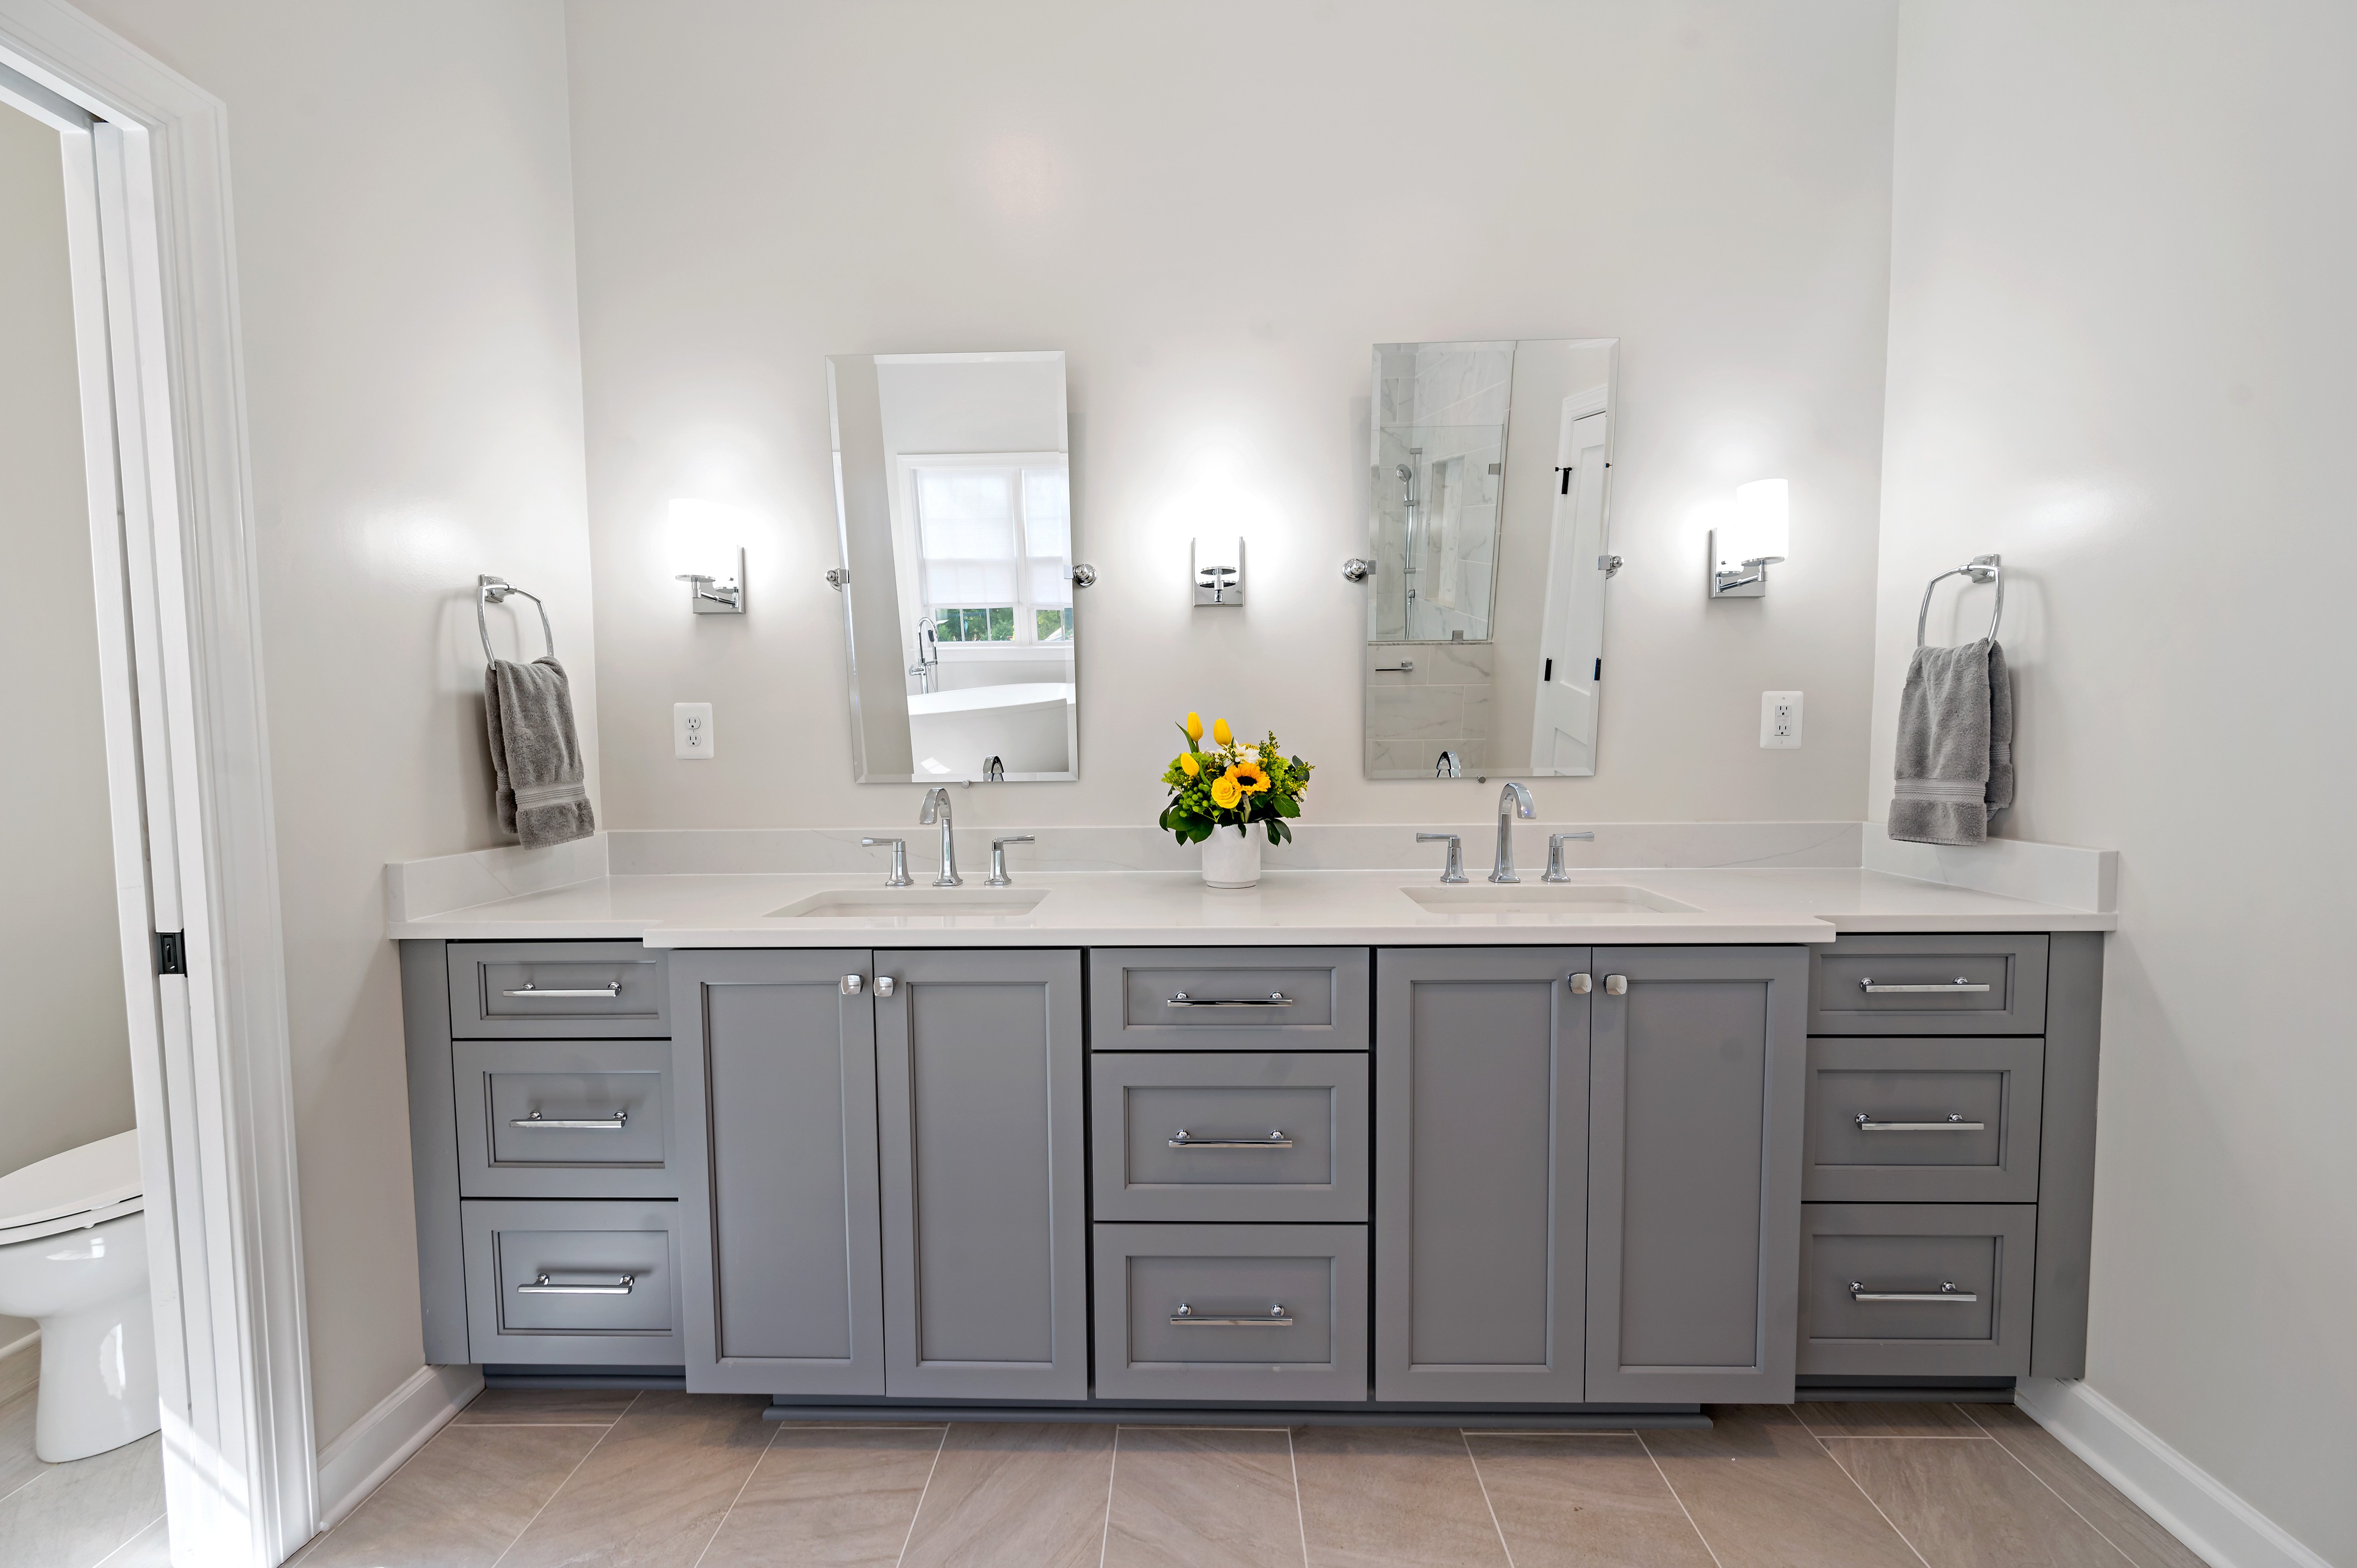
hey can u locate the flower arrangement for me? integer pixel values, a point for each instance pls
(1231, 785)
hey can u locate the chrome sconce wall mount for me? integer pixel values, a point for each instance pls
(1216, 568)
(1755, 536)
(720, 592)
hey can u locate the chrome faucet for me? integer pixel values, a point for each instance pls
(1515, 799)
(937, 809)
(1447, 764)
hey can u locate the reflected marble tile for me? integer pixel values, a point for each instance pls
(2128, 1527)
(1393, 1497)
(71, 1516)
(1895, 1418)
(460, 1501)
(829, 1497)
(1016, 1492)
(1765, 1494)
(1202, 1498)
(1584, 1501)
(545, 1407)
(1971, 1505)
(651, 1492)
(1413, 712)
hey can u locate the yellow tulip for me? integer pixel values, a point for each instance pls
(1221, 733)
(1186, 761)
(1226, 792)
(1194, 727)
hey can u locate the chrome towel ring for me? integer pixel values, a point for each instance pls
(1980, 569)
(490, 590)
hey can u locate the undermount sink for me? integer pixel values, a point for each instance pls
(929, 905)
(1571, 898)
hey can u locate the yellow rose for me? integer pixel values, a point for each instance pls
(1220, 733)
(1188, 764)
(1226, 792)
(1194, 727)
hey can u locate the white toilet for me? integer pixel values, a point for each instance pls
(73, 1257)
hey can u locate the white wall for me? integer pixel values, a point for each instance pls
(1217, 210)
(65, 1052)
(403, 214)
(2122, 327)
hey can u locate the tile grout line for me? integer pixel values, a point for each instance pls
(1113, 1468)
(560, 1485)
(775, 1428)
(910, 1534)
(1486, 1503)
(1672, 1486)
(131, 1541)
(1862, 1492)
(1299, 1521)
(2059, 1497)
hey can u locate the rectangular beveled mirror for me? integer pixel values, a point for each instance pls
(954, 504)
(1489, 542)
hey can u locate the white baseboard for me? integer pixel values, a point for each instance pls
(20, 1365)
(2186, 1500)
(373, 1447)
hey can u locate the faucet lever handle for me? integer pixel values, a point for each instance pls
(1454, 871)
(1555, 871)
(900, 877)
(998, 877)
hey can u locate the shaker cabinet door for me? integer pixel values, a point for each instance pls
(774, 1063)
(1480, 1173)
(1695, 1163)
(985, 1192)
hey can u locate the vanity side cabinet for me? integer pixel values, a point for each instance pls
(2066, 1163)
(434, 1153)
(985, 1189)
(773, 1069)
(1941, 984)
(1694, 1139)
(1482, 1072)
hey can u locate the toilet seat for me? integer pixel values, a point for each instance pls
(73, 1191)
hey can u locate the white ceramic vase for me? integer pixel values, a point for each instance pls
(1230, 858)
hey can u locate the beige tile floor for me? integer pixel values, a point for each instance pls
(108, 1508)
(667, 1480)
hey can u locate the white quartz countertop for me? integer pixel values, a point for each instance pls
(1167, 908)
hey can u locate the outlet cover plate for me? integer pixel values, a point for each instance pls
(1780, 720)
(691, 731)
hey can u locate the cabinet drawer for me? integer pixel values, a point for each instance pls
(1978, 985)
(1245, 1135)
(1231, 1312)
(541, 991)
(571, 1283)
(1961, 1274)
(563, 1118)
(1223, 999)
(1918, 1120)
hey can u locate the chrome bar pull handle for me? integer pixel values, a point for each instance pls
(1947, 1292)
(851, 982)
(1581, 984)
(1959, 986)
(610, 990)
(1955, 1123)
(1616, 985)
(613, 1123)
(1188, 1317)
(541, 1286)
(1275, 999)
(1276, 1139)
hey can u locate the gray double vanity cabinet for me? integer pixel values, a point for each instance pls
(1538, 1181)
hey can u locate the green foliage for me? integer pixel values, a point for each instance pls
(1194, 809)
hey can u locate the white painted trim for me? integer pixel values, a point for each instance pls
(378, 1443)
(2189, 1502)
(2059, 873)
(20, 1365)
(152, 253)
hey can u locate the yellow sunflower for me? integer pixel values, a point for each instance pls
(1226, 792)
(1251, 775)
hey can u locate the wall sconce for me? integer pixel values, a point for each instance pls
(713, 571)
(1218, 571)
(1756, 535)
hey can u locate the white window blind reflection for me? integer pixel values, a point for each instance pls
(966, 524)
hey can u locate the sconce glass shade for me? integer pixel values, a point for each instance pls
(1760, 528)
(706, 551)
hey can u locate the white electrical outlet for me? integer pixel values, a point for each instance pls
(1780, 720)
(691, 731)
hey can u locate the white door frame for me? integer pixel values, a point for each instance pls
(155, 287)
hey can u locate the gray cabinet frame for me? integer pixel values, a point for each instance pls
(1647, 1153)
(836, 1200)
(935, 1136)
(1433, 1149)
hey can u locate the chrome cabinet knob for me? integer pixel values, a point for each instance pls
(1581, 984)
(883, 986)
(1616, 985)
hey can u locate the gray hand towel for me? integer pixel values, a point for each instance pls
(535, 753)
(1956, 745)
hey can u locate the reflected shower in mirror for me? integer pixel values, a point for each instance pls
(1485, 605)
(954, 503)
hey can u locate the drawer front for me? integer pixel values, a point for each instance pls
(1929, 985)
(1918, 1120)
(1227, 999)
(563, 1118)
(1187, 1136)
(1185, 1312)
(542, 990)
(571, 1283)
(1931, 1258)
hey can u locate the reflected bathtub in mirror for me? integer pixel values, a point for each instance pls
(1489, 543)
(953, 511)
